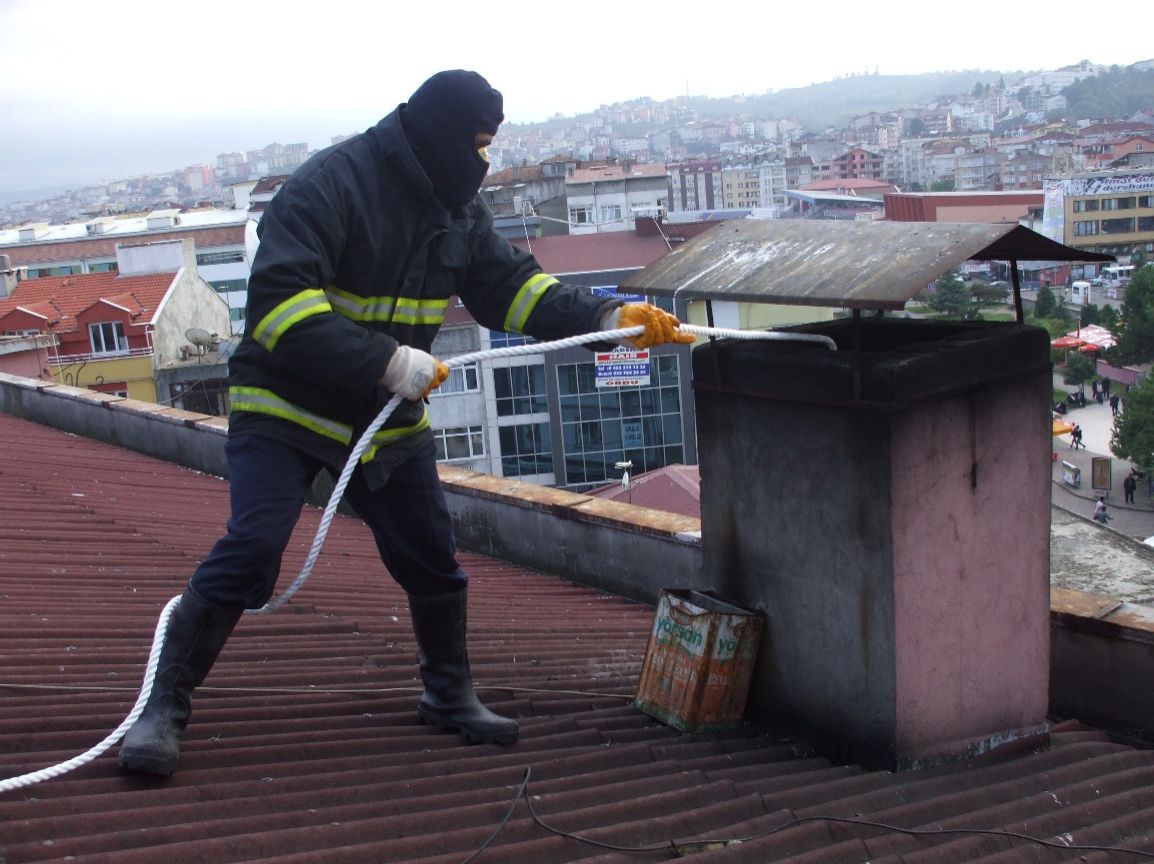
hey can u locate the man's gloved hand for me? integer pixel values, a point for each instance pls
(660, 326)
(414, 373)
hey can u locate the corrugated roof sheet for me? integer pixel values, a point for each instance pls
(304, 745)
(857, 265)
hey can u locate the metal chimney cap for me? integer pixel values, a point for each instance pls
(855, 265)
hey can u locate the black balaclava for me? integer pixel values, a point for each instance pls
(441, 120)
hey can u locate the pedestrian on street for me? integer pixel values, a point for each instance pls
(360, 252)
(1100, 514)
(1076, 437)
(1114, 402)
(1129, 486)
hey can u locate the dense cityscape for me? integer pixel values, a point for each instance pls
(1001, 135)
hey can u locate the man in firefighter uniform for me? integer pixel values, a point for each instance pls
(360, 252)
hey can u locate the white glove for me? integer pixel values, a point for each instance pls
(413, 373)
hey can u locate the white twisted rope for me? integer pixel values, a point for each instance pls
(331, 508)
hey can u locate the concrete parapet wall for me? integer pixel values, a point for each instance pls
(631, 551)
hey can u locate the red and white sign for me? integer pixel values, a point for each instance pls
(622, 367)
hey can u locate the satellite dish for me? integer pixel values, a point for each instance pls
(201, 338)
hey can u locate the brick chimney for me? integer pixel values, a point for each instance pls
(888, 506)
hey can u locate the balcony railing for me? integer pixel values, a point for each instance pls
(96, 356)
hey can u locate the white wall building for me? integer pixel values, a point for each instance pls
(610, 197)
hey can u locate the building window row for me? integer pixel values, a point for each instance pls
(525, 450)
(462, 379)
(459, 442)
(603, 426)
(206, 258)
(520, 390)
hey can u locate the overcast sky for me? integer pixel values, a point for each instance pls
(96, 90)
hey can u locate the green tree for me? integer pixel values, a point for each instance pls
(1136, 324)
(1108, 318)
(1046, 304)
(946, 185)
(988, 294)
(1091, 314)
(952, 298)
(1079, 370)
(1133, 437)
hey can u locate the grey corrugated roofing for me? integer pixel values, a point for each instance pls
(304, 746)
(857, 265)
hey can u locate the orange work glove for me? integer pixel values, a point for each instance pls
(660, 326)
(413, 373)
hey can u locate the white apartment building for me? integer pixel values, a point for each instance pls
(610, 197)
(90, 247)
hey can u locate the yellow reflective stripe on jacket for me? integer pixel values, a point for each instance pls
(526, 301)
(261, 401)
(311, 301)
(401, 310)
(391, 436)
(420, 311)
(359, 308)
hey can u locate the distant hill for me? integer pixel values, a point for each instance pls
(835, 103)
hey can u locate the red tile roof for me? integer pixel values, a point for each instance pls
(141, 295)
(304, 746)
(673, 489)
(594, 253)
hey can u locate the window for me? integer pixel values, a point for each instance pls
(1085, 206)
(108, 338)
(459, 442)
(1085, 228)
(1146, 223)
(103, 267)
(205, 258)
(462, 379)
(1118, 203)
(611, 213)
(525, 450)
(1118, 226)
(520, 390)
(222, 286)
(500, 339)
(1146, 200)
(580, 215)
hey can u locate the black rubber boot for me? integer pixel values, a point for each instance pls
(196, 632)
(440, 624)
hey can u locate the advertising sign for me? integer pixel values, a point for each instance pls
(622, 367)
(613, 294)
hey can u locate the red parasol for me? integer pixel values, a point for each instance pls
(1090, 348)
(1067, 342)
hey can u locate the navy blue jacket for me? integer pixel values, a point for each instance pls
(356, 256)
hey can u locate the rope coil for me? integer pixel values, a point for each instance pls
(334, 500)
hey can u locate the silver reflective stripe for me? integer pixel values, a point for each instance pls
(526, 301)
(311, 301)
(391, 436)
(261, 401)
(358, 308)
(420, 311)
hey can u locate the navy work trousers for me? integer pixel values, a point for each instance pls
(268, 482)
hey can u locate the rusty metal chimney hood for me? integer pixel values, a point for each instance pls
(853, 265)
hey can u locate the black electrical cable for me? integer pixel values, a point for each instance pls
(694, 846)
